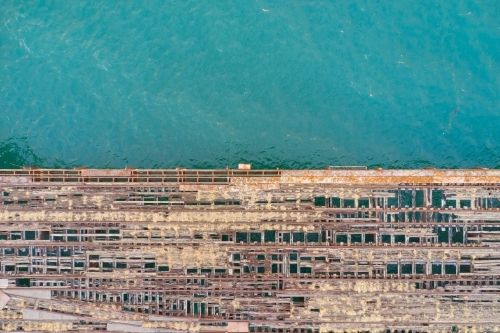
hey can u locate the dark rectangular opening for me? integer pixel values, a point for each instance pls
(242, 237)
(392, 269)
(341, 238)
(465, 268)
(399, 239)
(23, 282)
(348, 203)
(298, 237)
(369, 238)
(320, 202)
(406, 268)
(255, 237)
(355, 238)
(313, 237)
(269, 236)
(436, 268)
(450, 269)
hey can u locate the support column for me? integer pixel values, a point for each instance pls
(285, 270)
(423, 216)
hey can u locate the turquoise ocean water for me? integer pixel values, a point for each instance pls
(289, 84)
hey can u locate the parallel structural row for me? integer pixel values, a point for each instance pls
(250, 250)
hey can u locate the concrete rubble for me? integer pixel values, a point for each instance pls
(334, 250)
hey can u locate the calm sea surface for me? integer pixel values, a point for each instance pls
(289, 84)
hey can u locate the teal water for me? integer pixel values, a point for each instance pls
(289, 84)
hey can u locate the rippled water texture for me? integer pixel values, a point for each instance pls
(289, 84)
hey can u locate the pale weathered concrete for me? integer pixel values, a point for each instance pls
(4, 299)
(4, 283)
(42, 294)
(237, 326)
(29, 314)
(122, 327)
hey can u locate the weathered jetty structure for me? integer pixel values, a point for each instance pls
(242, 250)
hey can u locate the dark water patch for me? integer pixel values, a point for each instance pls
(16, 154)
